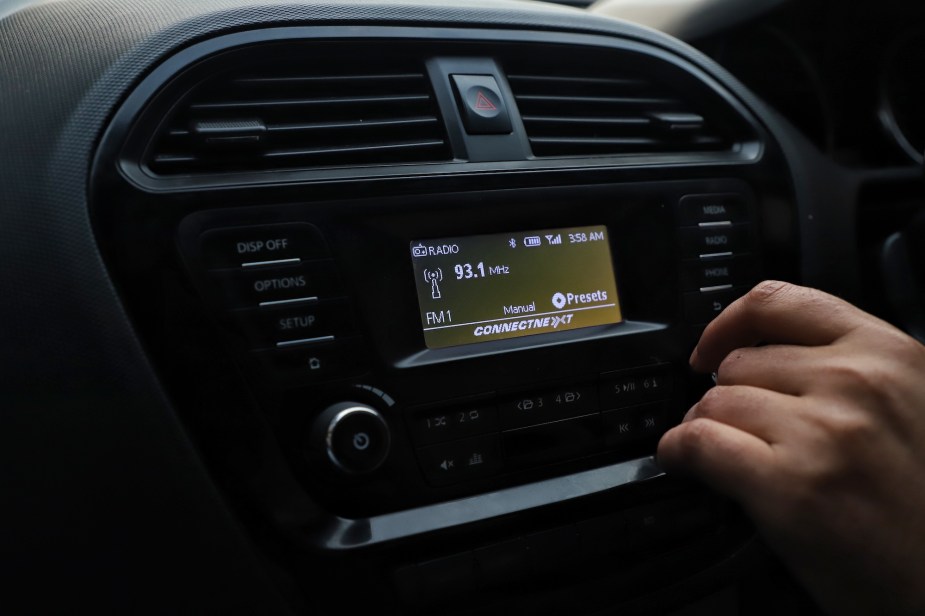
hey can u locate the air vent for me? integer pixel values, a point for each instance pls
(589, 109)
(315, 113)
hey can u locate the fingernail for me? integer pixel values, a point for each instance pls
(693, 358)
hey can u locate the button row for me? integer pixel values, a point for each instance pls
(281, 292)
(480, 439)
(718, 264)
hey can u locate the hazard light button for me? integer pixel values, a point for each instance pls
(483, 108)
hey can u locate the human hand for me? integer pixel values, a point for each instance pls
(820, 436)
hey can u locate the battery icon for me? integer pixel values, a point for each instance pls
(533, 240)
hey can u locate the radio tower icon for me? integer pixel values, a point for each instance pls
(434, 277)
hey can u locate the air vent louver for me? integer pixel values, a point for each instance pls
(278, 114)
(598, 111)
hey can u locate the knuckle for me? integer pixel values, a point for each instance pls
(728, 366)
(696, 436)
(766, 292)
(864, 381)
(711, 403)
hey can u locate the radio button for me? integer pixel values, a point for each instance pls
(698, 209)
(696, 241)
(716, 272)
(287, 325)
(629, 389)
(704, 307)
(276, 286)
(235, 246)
(449, 424)
(461, 460)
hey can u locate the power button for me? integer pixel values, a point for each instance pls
(355, 438)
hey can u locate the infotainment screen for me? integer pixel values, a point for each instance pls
(492, 287)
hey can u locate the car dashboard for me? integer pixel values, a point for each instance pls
(332, 308)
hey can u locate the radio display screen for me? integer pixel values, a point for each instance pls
(493, 287)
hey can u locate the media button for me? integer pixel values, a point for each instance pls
(709, 209)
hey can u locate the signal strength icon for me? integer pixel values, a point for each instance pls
(554, 239)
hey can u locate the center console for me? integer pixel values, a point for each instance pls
(445, 368)
(472, 342)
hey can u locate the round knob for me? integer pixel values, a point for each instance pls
(353, 436)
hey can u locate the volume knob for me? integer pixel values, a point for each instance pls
(353, 436)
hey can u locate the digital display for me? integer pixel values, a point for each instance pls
(492, 287)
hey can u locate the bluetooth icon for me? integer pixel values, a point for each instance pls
(512, 242)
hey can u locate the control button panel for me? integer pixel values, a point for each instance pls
(549, 425)
(719, 256)
(456, 422)
(461, 460)
(276, 288)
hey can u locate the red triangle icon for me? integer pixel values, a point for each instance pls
(482, 103)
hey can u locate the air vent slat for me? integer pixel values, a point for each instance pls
(592, 121)
(286, 110)
(351, 149)
(586, 106)
(391, 122)
(306, 102)
(560, 99)
(545, 79)
(325, 79)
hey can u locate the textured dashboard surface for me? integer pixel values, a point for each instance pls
(105, 499)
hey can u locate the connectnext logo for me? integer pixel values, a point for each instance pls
(551, 322)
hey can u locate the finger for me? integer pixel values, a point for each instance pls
(759, 412)
(782, 368)
(729, 460)
(777, 313)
